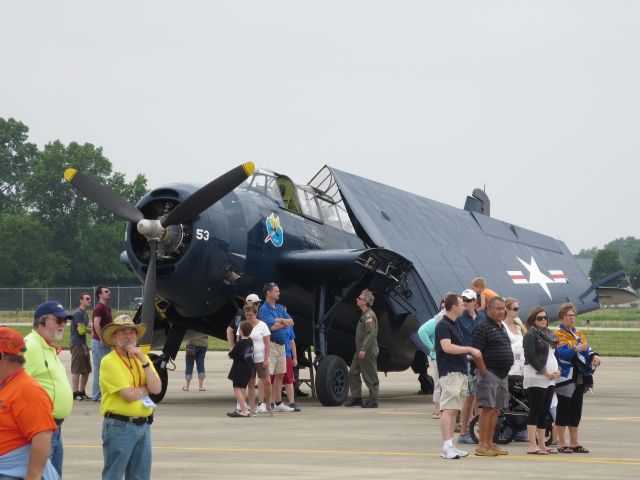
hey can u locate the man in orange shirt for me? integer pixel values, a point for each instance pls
(26, 416)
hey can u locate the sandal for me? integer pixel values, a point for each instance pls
(565, 450)
(236, 415)
(552, 451)
(579, 449)
(435, 416)
(538, 452)
(185, 388)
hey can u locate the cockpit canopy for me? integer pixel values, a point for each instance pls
(319, 200)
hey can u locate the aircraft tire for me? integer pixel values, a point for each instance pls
(332, 381)
(426, 384)
(164, 378)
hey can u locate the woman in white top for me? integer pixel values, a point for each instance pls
(540, 373)
(516, 332)
(261, 337)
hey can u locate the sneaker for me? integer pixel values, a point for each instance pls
(465, 439)
(449, 453)
(282, 408)
(237, 410)
(369, 404)
(85, 396)
(498, 450)
(78, 396)
(295, 407)
(485, 452)
(461, 453)
(262, 408)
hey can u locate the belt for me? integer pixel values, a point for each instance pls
(134, 420)
(279, 343)
(58, 421)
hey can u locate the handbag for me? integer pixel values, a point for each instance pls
(190, 350)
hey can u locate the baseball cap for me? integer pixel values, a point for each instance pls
(11, 342)
(470, 294)
(252, 298)
(52, 307)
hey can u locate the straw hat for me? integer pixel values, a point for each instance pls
(120, 323)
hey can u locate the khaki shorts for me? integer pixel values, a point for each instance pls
(80, 359)
(260, 370)
(277, 359)
(454, 391)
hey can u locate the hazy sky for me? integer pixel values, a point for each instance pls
(537, 100)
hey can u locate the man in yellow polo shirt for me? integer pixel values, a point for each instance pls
(43, 364)
(127, 377)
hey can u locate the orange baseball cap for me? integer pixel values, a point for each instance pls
(11, 342)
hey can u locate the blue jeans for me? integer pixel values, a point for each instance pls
(98, 351)
(199, 360)
(126, 448)
(57, 451)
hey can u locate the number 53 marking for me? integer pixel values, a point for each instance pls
(202, 234)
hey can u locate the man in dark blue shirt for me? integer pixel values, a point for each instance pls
(451, 354)
(468, 322)
(277, 319)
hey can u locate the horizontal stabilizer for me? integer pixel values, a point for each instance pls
(616, 295)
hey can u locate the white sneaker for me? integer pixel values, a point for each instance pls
(282, 408)
(449, 453)
(262, 408)
(461, 453)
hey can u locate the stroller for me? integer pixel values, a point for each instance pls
(511, 420)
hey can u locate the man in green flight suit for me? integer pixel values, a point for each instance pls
(365, 359)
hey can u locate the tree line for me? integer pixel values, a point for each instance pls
(51, 234)
(619, 254)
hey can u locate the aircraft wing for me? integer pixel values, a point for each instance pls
(448, 246)
(616, 295)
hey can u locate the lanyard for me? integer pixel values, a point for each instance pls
(130, 368)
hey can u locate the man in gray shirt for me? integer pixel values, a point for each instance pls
(80, 355)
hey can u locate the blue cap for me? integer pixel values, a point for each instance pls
(52, 307)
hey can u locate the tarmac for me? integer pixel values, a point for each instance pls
(193, 437)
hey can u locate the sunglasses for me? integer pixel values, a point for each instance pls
(516, 309)
(542, 317)
(466, 300)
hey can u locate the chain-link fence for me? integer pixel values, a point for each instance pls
(21, 299)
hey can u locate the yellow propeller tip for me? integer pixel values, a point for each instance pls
(249, 168)
(69, 173)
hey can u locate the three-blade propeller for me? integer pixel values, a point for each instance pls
(154, 229)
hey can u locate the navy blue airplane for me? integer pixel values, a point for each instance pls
(200, 251)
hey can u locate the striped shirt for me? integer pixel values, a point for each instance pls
(493, 341)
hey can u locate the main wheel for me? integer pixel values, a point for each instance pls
(164, 378)
(426, 384)
(332, 384)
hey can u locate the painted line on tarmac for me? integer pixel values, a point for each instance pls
(614, 419)
(552, 458)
